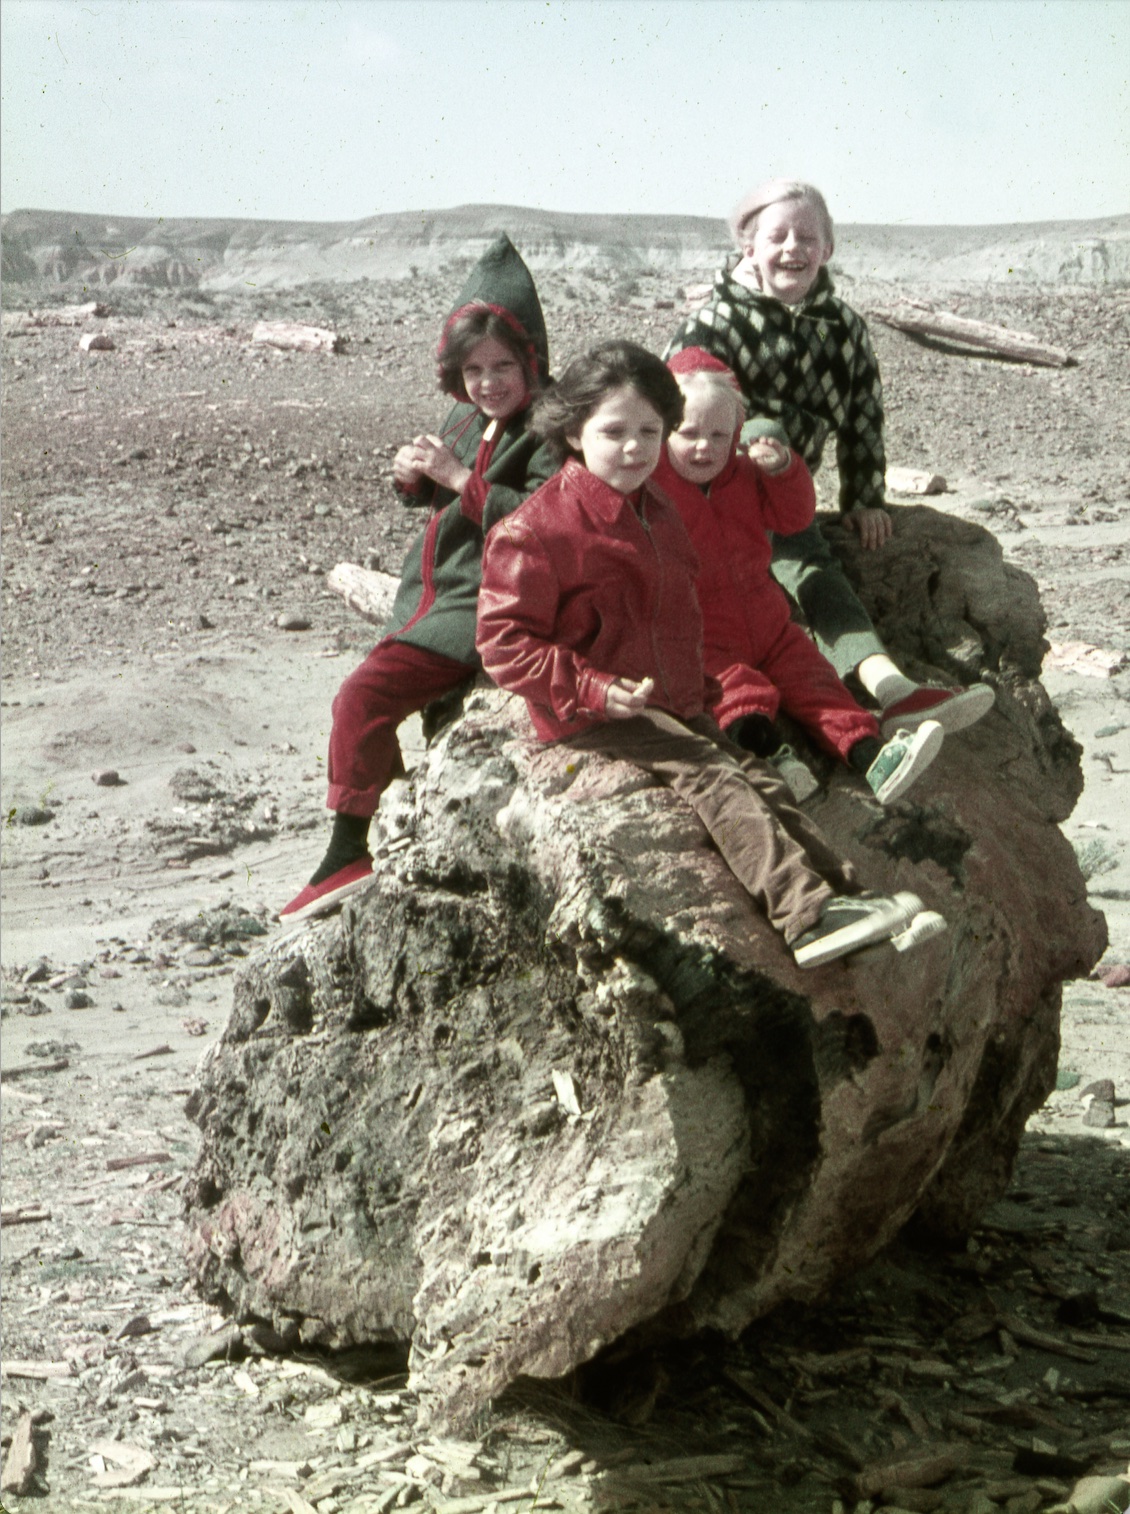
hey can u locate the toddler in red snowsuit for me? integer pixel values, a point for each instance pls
(763, 662)
(588, 610)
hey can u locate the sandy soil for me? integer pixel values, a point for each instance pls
(169, 507)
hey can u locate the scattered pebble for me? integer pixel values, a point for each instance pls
(30, 814)
(293, 623)
(107, 778)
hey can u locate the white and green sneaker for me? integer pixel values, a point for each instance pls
(902, 759)
(924, 927)
(797, 774)
(849, 923)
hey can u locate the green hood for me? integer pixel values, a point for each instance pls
(501, 280)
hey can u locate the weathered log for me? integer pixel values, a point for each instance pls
(552, 1080)
(921, 319)
(16, 321)
(292, 336)
(369, 593)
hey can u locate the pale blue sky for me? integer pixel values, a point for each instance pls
(919, 111)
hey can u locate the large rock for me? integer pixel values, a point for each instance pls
(553, 1079)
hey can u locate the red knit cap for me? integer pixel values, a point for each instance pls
(698, 360)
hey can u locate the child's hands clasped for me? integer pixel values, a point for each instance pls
(427, 457)
(769, 453)
(627, 697)
(872, 523)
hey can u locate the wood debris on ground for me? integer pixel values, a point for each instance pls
(920, 318)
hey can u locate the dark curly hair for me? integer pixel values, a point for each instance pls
(563, 408)
(463, 333)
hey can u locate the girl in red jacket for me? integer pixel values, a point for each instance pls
(588, 610)
(762, 660)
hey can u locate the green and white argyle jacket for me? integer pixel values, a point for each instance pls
(809, 366)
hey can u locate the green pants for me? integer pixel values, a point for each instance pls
(806, 569)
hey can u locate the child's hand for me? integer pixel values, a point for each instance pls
(769, 453)
(873, 524)
(406, 469)
(626, 697)
(440, 463)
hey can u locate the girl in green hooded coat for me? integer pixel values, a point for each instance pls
(492, 359)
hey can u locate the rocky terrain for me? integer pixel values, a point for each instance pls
(171, 505)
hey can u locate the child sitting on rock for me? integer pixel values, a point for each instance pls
(807, 371)
(588, 610)
(492, 358)
(761, 660)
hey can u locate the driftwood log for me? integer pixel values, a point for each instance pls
(921, 319)
(368, 592)
(551, 1082)
(292, 336)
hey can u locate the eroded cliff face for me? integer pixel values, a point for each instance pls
(218, 254)
(553, 1081)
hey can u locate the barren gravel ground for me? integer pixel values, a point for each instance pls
(166, 506)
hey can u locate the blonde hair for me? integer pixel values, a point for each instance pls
(715, 386)
(772, 192)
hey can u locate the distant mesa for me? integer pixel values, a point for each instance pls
(215, 255)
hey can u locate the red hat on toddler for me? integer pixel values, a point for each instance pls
(698, 360)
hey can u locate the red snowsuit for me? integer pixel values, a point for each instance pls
(760, 658)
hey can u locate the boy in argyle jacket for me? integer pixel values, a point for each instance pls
(807, 370)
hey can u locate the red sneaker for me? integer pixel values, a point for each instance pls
(953, 709)
(319, 898)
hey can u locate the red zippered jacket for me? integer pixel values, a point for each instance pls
(580, 587)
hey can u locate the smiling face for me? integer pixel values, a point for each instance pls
(702, 446)
(621, 440)
(494, 379)
(788, 248)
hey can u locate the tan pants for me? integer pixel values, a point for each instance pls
(781, 858)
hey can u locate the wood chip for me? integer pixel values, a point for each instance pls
(26, 1214)
(1103, 1342)
(8, 1073)
(476, 1501)
(1028, 1335)
(292, 336)
(566, 1091)
(924, 1471)
(683, 1468)
(39, 1371)
(145, 1159)
(1081, 657)
(914, 481)
(22, 1460)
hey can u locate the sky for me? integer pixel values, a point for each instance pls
(903, 111)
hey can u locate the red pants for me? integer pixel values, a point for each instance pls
(393, 682)
(794, 676)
